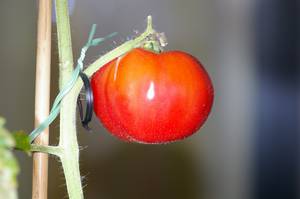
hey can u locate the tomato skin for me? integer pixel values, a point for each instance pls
(152, 98)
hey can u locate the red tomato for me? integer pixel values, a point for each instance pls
(152, 98)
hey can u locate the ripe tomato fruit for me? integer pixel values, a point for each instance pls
(152, 98)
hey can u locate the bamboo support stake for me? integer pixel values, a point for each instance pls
(42, 98)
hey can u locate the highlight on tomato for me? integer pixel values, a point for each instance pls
(150, 97)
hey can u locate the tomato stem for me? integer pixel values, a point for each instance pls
(54, 150)
(120, 50)
(68, 137)
(149, 24)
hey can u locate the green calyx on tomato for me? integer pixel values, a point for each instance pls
(155, 42)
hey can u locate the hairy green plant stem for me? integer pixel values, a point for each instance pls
(68, 137)
(68, 149)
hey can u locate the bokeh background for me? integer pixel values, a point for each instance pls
(248, 148)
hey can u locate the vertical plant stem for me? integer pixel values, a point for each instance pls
(42, 98)
(68, 137)
(64, 41)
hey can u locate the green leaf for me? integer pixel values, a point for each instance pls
(5, 138)
(22, 141)
(9, 167)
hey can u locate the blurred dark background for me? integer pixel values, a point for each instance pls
(248, 148)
